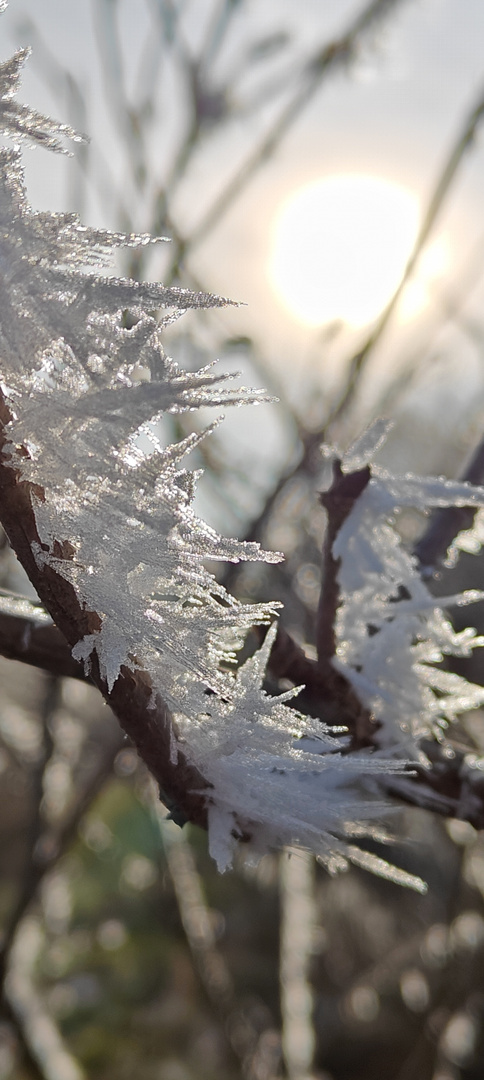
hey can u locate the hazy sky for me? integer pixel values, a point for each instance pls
(395, 111)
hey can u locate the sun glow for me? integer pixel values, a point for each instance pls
(340, 246)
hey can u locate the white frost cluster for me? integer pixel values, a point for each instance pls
(392, 631)
(88, 396)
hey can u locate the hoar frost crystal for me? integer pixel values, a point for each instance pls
(117, 553)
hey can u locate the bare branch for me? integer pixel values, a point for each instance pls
(40, 644)
(452, 787)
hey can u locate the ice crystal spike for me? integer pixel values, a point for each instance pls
(362, 451)
(22, 122)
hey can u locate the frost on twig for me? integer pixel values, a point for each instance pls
(99, 511)
(392, 634)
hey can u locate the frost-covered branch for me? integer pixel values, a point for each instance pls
(99, 510)
(149, 729)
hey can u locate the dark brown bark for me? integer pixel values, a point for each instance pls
(39, 644)
(338, 502)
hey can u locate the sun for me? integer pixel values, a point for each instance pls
(340, 246)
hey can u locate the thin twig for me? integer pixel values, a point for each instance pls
(112, 67)
(208, 959)
(298, 921)
(217, 32)
(28, 1057)
(30, 876)
(27, 1003)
